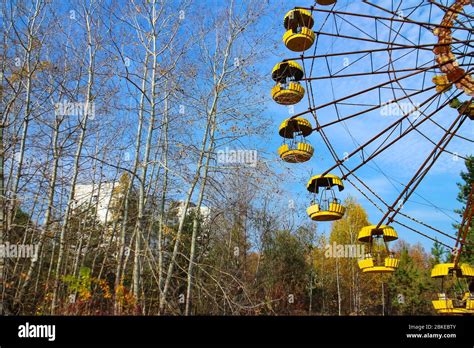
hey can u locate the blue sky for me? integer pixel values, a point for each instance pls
(435, 199)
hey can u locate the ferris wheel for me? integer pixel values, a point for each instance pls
(413, 57)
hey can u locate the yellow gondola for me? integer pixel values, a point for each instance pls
(464, 302)
(323, 181)
(299, 36)
(466, 107)
(442, 83)
(369, 265)
(470, 110)
(288, 90)
(378, 259)
(326, 2)
(295, 148)
(326, 207)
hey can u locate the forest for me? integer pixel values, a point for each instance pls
(134, 159)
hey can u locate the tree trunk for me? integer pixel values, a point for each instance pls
(196, 220)
(88, 101)
(2, 220)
